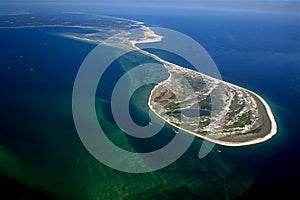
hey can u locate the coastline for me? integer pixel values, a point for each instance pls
(269, 135)
(149, 37)
(271, 118)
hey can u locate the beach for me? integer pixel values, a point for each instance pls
(218, 139)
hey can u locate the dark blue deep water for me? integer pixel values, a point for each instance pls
(260, 52)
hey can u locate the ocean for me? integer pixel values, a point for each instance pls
(43, 157)
(260, 52)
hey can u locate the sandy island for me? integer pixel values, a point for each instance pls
(272, 126)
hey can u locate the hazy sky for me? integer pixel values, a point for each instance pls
(233, 5)
(173, 2)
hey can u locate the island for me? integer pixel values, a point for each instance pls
(193, 102)
(209, 108)
(244, 118)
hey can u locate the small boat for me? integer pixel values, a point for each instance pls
(218, 150)
(176, 131)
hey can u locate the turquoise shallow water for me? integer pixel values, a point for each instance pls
(259, 52)
(41, 150)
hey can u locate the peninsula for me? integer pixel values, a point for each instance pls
(217, 111)
(198, 104)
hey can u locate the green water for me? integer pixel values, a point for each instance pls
(41, 149)
(62, 167)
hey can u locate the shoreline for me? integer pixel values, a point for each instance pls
(149, 37)
(271, 118)
(268, 136)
